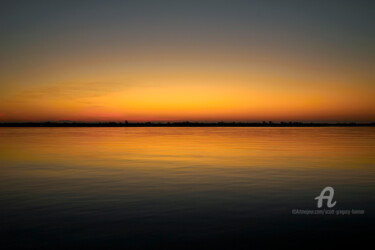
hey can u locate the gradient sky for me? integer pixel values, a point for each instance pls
(187, 60)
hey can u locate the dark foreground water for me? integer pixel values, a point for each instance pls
(173, 188)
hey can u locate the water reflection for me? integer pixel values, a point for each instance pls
(144, 187)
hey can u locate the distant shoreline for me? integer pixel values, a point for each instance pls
(186, 124)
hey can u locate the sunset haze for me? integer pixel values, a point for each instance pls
(197, 61)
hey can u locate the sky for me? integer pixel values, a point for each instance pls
(187, 60)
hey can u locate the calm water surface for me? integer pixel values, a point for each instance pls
(183, 187)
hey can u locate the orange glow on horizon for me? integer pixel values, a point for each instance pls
(199, 62)
(171, 91)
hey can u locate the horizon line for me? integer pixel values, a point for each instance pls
(125, 123)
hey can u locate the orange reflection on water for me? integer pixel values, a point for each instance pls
(170, 147)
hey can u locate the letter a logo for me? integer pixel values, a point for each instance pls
(328, 197)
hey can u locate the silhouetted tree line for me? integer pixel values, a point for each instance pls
(184, 124)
